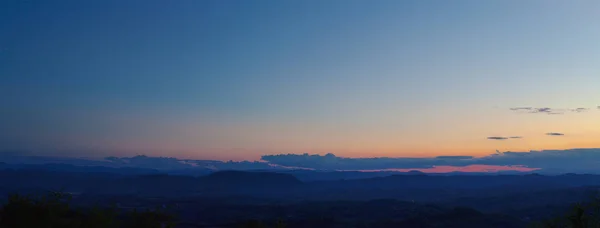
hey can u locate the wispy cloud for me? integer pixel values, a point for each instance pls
(544, 110)
(521, 108)
(547, 110)
(503, 138)
(554, 134)
(168, 163)
(497, 138)
(142, 161)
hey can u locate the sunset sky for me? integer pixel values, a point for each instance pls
(240, 79)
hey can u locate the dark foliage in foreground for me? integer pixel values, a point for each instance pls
(582, 215)
(54, 211)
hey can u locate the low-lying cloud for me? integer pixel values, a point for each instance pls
(571, 160)
(554, 161)
(332, 162)
(555, 134)
(169, 163)
(143, 161)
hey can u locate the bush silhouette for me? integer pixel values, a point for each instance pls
(581, 216)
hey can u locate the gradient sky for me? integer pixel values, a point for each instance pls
(238, 79)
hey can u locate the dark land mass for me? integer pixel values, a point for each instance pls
(309, 198)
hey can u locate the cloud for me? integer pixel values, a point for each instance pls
(570, 160)
(503, 138)
(547, 110)
(332, 162)
(142, 161)
(497, 138)
(550, 161)
(544, 110)
(168, 163)
(555, 134)
(521, 108)
(580, 110)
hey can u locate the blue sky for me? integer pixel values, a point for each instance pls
(238, 79)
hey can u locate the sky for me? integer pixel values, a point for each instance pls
(236, 80)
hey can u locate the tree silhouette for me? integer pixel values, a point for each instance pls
(47, 211)
(149, 219)
(581, 216)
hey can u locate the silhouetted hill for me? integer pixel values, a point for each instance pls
(412, 186)
(424, 181)
(407, 200)
(314, 175)
(255, 183)
(258, 178)
(460, 218)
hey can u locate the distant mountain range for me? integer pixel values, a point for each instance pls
(286, 184)
(307, 193)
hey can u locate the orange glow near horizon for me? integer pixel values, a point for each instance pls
(419, 138)
(222, 82)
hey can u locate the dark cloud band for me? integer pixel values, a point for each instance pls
(571, 160)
